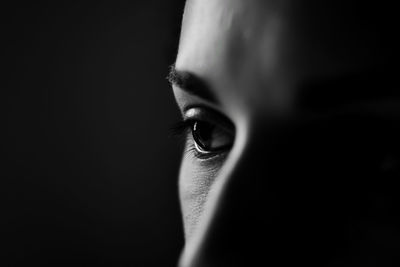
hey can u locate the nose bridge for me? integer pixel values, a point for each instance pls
(228, 233)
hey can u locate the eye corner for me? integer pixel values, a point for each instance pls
(210, 138)
(208, 133)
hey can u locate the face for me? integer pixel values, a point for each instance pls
(280, 113)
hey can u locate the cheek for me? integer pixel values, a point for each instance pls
(195, 182)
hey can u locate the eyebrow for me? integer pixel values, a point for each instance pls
(191, 84)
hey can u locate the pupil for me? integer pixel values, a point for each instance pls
(202, 133)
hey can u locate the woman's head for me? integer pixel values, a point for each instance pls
(280, 101)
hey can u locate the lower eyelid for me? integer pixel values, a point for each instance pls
(191, 150)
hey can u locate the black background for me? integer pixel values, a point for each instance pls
(89, 170)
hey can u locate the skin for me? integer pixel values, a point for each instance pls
(239, 208)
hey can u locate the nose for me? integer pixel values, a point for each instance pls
(290, 197)
(234, 224)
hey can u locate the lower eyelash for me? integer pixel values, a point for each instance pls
(183, 129)
(192, 150)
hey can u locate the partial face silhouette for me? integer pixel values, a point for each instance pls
(290, 116)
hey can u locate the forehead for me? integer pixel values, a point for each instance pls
(254, 52)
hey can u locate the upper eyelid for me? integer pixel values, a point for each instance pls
(187, 101)
(211, 112)
(207, 114)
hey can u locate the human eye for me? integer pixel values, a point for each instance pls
(208, 133)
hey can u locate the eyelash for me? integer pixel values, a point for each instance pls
(191, 149)
(183, 129)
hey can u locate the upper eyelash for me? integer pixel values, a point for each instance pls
(180, 128)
